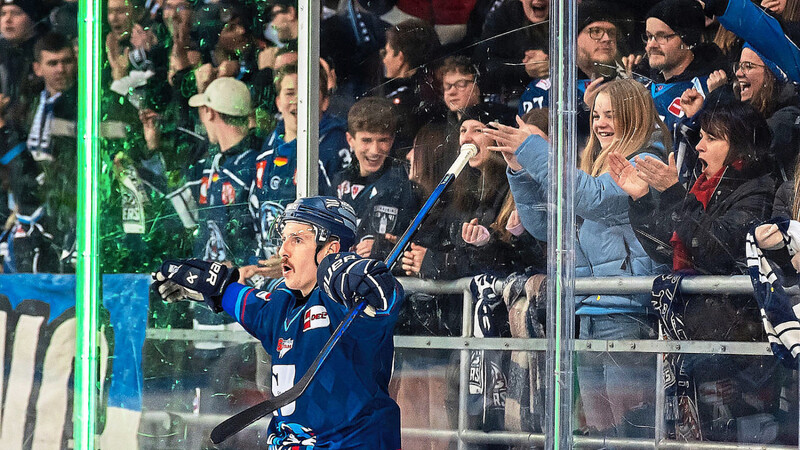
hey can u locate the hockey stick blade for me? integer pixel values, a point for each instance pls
(242, 420)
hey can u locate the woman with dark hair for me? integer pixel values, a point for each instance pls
(700, 228)
(763, 84)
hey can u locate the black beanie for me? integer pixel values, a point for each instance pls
(685, 17)
(590, 11)
(31, 7)
(489, 112)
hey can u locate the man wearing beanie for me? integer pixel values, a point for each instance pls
(596, 57)
(677, 59)
(18, 19)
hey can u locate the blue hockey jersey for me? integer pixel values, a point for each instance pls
(347, 405)
(667, 96)
(222, 187)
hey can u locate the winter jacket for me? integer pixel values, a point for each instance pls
(714, 236)
(784, 199)
(606, 244)
(784, 124)
(384, 201)
(223, 187)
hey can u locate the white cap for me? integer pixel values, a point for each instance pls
(225, 95)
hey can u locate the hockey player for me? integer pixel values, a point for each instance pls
(347, 405)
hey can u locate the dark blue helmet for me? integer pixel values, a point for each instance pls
(329, 216)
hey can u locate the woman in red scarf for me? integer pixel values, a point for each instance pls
(699, 226)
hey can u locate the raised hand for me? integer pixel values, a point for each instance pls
(411, 262)
(508, 139)
(624, 174)
(691, 102)
(769, 237)
(347, 278)
(657, 174)
(630, 62)
(474, 233)
(364, 248)
(537, 64)
(716, 79)
(194, 279)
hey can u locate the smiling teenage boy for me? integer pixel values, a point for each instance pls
(347, 405)
(376, 186)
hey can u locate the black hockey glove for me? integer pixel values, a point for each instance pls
(194, 279)
(347, 278)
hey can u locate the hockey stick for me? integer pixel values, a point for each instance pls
(240, 421)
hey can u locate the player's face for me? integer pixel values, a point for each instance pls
(298, 256)
(471, 132)
(371, 150)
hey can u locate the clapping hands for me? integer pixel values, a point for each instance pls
(648, 172)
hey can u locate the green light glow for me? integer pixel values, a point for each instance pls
(88, 285)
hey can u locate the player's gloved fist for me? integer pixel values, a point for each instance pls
(194, 279)
(347, 278)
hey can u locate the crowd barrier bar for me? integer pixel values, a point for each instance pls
(613, 285)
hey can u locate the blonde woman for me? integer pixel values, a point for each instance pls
(623, 120)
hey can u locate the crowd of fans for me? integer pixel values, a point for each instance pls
(688, 123)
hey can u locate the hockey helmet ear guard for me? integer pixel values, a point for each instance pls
(329, 216)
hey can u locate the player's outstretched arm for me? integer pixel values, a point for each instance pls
(347, 278)
(194, 279)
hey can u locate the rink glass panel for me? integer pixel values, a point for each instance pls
(181, 379)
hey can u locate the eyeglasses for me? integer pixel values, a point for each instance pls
(746, 66)
(460, 84)
(597, 33)
(660, 39)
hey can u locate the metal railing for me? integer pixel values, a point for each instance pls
(619, 285)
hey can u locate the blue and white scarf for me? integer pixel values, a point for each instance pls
(779, 313)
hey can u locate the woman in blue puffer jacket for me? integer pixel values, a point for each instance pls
(624, 120)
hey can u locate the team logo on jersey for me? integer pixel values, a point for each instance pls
(383, 218)
(343, 188)
(263, 295)
(675, 107)
(204, 191)
(291, 436)
(315, 317)
(228, 193)
(261, 166)
(284, 345)
(274, 183)
(356, 189)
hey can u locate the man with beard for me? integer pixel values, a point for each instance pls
(676, 57)
(596, 57)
